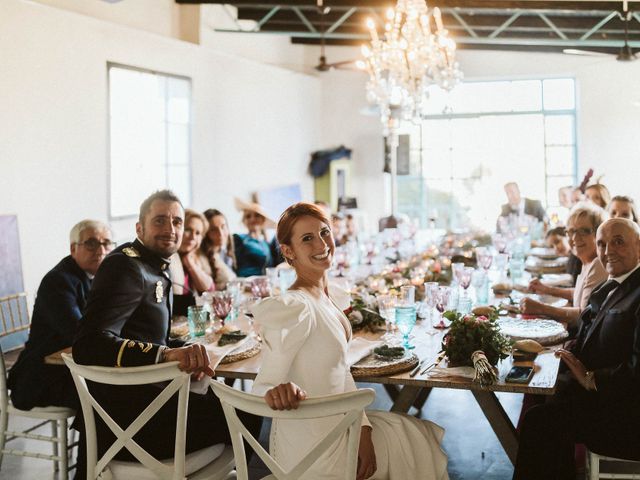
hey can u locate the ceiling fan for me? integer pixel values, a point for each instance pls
(323, 65)
(625, 54)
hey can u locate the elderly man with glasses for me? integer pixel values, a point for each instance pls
(57, 311)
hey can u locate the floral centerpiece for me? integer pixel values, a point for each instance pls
(475, 340)
(363, 314)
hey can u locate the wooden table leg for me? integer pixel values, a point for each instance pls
(405, 399)
(499, 421)
(394, 391)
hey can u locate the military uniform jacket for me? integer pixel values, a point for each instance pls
(128, 312)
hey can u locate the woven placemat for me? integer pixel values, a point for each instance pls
(247, 350)
(372, 366)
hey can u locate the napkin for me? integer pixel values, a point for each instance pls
(360, 348)
(216, 354)
(441, 372)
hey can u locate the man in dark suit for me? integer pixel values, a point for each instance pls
(56, 314)
(126, 323)
(598, 395)
(521, 206)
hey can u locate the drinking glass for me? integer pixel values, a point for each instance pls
(484, 257)
(198, 318)
(245, 308)
(222, 304)
(260, 286)
(340, 257)
(386, 306)
(272, 275)
(499, 242)
(407, 295)
(481, 285)
(405, 321)
(234, 288)
(287, 277)
(430, 295)
(442, 301)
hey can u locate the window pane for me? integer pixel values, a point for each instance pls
(559, 130)
(560, 160)
(178, 144)
(559, 94)
(179, 98)
(179, 182)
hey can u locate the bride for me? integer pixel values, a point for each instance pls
(306, 337)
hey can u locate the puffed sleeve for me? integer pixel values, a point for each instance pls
(285, 323)
(340, 296)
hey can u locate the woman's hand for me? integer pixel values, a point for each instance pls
(529, 306)
(578, 370)
(285, 396)
(366, 455)
(536, 286)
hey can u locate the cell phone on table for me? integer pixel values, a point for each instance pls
(519, 375)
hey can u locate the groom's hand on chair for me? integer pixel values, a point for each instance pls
(193, 359)
(366, 455)
(285, 396)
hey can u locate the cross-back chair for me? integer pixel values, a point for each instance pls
(350, 404)
(214, 463)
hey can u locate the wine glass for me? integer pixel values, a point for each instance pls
(246, 306)
(387, 309)
(260, 286)
(442, 300)
(430, 295)
(405, 321)
(464, 279)
(499, 242)
(340, 256)
(484, 257)
(222, 303)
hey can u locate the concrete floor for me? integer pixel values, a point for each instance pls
(474, 451)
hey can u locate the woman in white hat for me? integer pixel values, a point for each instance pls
(253, 252)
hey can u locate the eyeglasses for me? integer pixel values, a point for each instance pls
(579, 232)
(92, 244)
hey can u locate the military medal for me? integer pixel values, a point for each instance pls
(159, 291)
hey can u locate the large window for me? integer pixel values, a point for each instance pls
(150, 129)
(481, 136)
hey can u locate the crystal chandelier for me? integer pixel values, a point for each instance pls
(409, 58)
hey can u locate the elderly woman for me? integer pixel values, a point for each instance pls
(306, 337)
(253, 252)
(598, 194)
(217, 246)
(190, 270)
(582, 225)
(622, 206)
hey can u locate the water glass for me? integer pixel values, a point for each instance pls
(198, 319)
(287, 277)
(407, 295)
(386, 307)
(272, 275)
(516, 268)
(405, 321)
(481, 285)
(234, 288)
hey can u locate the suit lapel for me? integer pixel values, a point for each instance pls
(618, 294)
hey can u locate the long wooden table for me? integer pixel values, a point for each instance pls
(406, 391)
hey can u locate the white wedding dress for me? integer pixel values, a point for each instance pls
(305, 342)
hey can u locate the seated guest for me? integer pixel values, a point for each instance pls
(598, 194)
(192, 273)
(596, 402)
(556, 238)
(338, 229)
(306, 332)
(577, 195)
(56, 313)
(517, 205)
(217, 246)
(622, 206)
(126, 324)
(253, 251)
(582, 226)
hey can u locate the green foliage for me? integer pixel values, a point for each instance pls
(364, 317)
(469, 333)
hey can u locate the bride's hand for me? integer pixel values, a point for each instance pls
(366, 455)
(285, 396)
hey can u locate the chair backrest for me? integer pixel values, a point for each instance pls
(14, 318)
(163, 372)
(350, 404)
(14, 321)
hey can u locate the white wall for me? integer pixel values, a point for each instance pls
(608, 113)
(254, 125)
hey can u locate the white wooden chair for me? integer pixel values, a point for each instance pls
(214, 463)
(632, 470)
(15, 319)
(350, 404)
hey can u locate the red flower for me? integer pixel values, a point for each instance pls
(348, 311)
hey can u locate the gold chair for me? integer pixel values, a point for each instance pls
(14, 318)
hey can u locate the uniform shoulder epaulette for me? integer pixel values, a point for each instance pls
(131, 252)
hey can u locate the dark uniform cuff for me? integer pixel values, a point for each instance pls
(133, 353)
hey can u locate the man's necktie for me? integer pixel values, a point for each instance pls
(599, 296)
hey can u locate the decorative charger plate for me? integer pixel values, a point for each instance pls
(542, 252)
(539, 265)
(373, 366)
(545, 332)
(248, 349)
